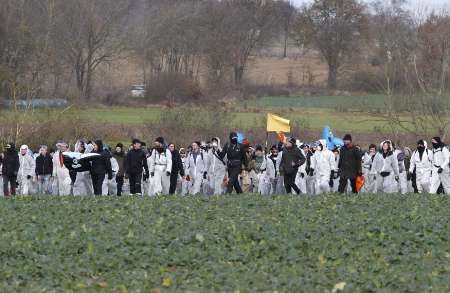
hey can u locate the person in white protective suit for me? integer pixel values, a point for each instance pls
(217, 167)
(266, 174)
(324, 166)
(27, 169)
(369, 172)
(403, 181)
(196, 169)
(272, 158)
(109, 187)
(280, 189)
(421, 165)
(386, 165)
(440, 168)
(83, 181)
(300, 179)
(310, 176)
(184, 182)
(160, 166)
(335, 187)
(60, 172)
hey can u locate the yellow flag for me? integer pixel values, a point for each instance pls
(277, 124)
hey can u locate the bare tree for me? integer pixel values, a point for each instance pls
(335, 28)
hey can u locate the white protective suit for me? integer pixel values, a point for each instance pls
(387, 170)
(195, 168)
(184, 182)
(266, 176)
(61, 176)
(83, 181)
(159, 165)
(370, 173)
(217, 171)
(441, 157)
(26, 173)
(423, 165)
(300, 178)
(109, 187)
(403, 183)
(280, 179)
(323, 162)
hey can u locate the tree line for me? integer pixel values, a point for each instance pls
(46, 45)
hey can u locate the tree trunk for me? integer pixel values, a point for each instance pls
(238, 74)
(332, 75)
(286, 34)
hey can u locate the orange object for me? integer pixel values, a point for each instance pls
(360, 180)
(281, 137)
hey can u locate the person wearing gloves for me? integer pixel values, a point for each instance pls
(349, 165)
(119, 156)
(83, 182)
(292, 158)
(217, 167)
(44, 169)
(160, 167)
(100, 167)
(10, 169)
(134, 165)
(27, 171)
(196, 169)
(386, 165)
(421, 165)
(323, 166)
(370, 174)
(60, 172)
(440, 168)
(236, 158)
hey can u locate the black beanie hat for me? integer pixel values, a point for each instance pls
(135, 140)
(119, 145)
(347, 137)
(233, 135)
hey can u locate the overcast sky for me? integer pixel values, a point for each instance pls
(414, 4)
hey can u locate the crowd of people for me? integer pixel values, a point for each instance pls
(209, 168)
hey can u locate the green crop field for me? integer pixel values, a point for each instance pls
(242, 243)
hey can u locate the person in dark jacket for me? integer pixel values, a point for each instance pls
(349, 165)
(236, 159)
(44, 169)
(10, 168)
(119, 155)
(135, 163)
(100, 167)
(177, 168)
(291, 159)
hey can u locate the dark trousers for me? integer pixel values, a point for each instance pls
(135, 183)
(119, 181)
(173, 182)
(97, 182)
(289, 183)
(233, 180)
(343, 184)
(11, 180)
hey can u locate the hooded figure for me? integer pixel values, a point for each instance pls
(292, 158)
(60, 171)
(324, 166)
(196, 168)
(386, 165)
(160, 167)
(236, 158)
(217, 167)
(421, 165)
(440, 169)
(369, 172)
(10, 168)
(27, 170)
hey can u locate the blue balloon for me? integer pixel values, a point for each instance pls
(338, 142)
(241, 137)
